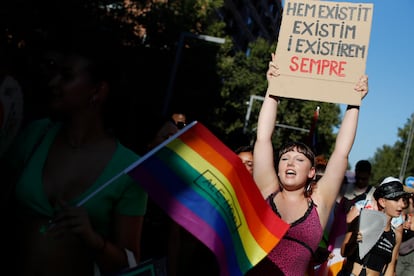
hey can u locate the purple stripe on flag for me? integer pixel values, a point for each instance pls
(185, 217)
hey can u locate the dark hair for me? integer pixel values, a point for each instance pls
(305, 150)
(319, 171)
(300, 147)
(363, 166)
(248, 148)
(105, 61)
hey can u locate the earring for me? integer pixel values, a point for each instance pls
(308, 189)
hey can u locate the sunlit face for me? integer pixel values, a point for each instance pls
(295, 169)
(72, 87)
(179, 120)
(247, 159)
(393, 207)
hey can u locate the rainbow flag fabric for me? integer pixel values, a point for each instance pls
(204, 187)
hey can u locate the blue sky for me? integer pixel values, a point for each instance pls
(390, 101)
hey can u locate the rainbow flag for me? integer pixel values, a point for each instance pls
(204, 187)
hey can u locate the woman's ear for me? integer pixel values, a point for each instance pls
(381, 203)
(312, 172)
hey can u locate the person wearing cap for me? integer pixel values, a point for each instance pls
(405, 264)
(391, 199)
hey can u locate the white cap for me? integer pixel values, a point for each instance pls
(390, 179)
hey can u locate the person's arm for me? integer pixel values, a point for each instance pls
(109, 252)
(329, 185)
(351, 239)
(264, 171)
(352, 214)
(345, 246)
(111, 255)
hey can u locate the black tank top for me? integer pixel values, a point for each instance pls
(381, 254)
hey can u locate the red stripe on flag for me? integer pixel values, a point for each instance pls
(262, 221)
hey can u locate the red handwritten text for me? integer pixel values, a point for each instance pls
(318, 66)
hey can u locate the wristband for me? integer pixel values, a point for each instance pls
(353, 106)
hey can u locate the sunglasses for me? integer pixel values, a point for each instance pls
(179, 125)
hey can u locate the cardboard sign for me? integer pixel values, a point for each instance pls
(371, 224)
(322, 50)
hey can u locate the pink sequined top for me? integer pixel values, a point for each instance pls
(294, 251)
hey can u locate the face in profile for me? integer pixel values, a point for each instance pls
(179, 119)
(247, 159)
(72, 87)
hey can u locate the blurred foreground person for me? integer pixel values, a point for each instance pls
(61, 226)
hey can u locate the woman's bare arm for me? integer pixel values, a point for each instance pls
(264, 171)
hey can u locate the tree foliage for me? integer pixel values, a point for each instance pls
(165, 20)
(244, 76)
(216, 82)
(388, 160)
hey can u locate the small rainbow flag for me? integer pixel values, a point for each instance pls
(204, 187)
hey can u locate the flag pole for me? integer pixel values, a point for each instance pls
(136, 163)
(313, 127)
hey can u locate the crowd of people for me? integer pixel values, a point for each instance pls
(58, 225)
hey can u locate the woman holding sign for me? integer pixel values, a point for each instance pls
(286, 186)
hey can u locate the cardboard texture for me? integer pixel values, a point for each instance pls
(322, 50)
